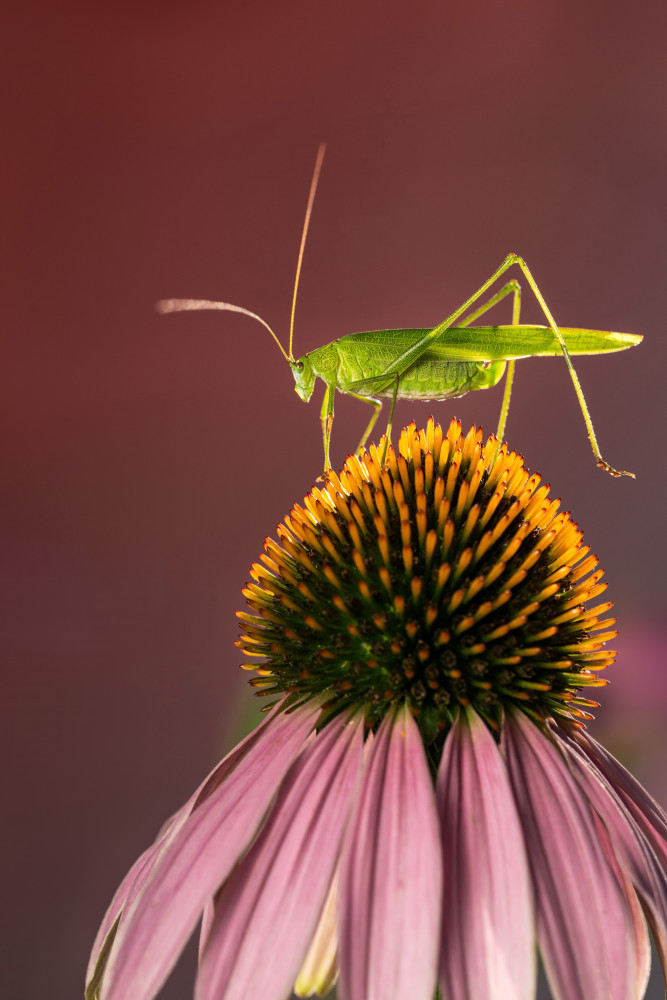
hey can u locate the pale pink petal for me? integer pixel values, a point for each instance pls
(391, 874)
(206, 924)
(641, 940)
(488, 923)
(140, 870)
(268, 911)
(641, 805)
(630, 845)
(319, 971)
(233, 759)
(124, 895)
(584, 926)
(137, 873)
(196, 858)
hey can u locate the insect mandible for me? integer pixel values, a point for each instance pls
(443, 362)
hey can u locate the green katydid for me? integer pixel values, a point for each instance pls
(440, 363)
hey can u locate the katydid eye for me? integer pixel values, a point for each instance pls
(299, 365)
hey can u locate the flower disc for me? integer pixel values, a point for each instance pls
(443, 577)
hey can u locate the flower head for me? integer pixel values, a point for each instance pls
(444, 579)
(422, 805)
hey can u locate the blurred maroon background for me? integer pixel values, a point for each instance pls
(165, 149)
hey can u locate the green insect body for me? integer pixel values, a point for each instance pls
(351, 364)
(440, 363)
(442, 371)
(457, 360)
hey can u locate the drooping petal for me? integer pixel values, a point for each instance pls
(268, 911)
(585, 930)
(391, 874)
(196, 858)
(319, 971)
(650, 816)
(630, 844)
(320, 968)
(641, 940)
(141, 868)
(136, 875)
(488, 928)
(206, 923)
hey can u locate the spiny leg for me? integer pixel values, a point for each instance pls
(511, 259)
(377, 405)
(509, 371)
(511, 288)
(515, 259)
(326, 418)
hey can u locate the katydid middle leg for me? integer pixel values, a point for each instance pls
(387, 433)
(377, 405)
(511, 288)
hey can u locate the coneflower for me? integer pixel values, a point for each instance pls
(422, 807)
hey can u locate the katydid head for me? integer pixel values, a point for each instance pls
(304, 377)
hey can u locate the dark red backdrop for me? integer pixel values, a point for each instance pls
(165, 149)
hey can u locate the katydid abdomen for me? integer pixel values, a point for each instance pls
(430, 377)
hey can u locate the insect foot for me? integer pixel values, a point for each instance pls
(616, 473)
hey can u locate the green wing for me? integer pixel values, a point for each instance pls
(486, 343)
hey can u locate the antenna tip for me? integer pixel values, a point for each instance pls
(165, 305)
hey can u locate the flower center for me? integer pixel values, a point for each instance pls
(443, 577)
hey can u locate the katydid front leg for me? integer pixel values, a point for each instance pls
(326, 418)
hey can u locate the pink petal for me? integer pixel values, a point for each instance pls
(271, 904)
(650, 817)
(196, 857)
(391, 874)
(630, 845)
(640, 935)
(584, 926)
(319, 971)
(206, 924)
(137, 872)
(140, 870)
(488, 932)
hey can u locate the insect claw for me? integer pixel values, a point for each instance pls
(385, 449)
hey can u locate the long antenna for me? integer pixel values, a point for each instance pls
(183, 305)
(309, 209)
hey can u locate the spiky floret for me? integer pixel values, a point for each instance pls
(444, 577)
